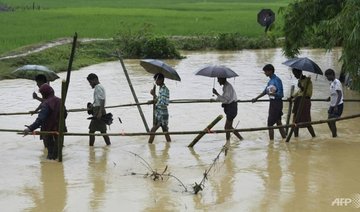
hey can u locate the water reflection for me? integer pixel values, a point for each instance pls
(163, 201)
(272, 178)
(298, 169)
(224, 188)
(53, 195)
(97, 174)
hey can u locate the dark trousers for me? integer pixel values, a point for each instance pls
(52, 146)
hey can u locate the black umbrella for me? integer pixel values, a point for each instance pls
(265, 17)
(304, 64)
(157, 66)
(216, 71)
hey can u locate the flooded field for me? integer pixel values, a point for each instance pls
(307, 174)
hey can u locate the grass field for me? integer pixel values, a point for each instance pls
(104, 18)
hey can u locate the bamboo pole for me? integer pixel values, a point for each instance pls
(62, 120)
(71, 59)
(175, 101)
(154, 105)
(189, 132)
(133, 92)
(289, 109)
(207, 129)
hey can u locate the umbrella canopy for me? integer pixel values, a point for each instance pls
(31, 71)
(157, 66)
(305, 64)
(265, 17)
(219, 71)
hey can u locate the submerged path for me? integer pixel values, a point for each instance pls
(58, 42)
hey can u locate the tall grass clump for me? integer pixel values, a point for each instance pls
(234, 41)
(141, 43)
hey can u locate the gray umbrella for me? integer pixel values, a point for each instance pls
(305, 64)
(219, 71)
(31, 71)
(157, 66)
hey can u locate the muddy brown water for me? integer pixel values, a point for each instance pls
(307, 174)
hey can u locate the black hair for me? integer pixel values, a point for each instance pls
(329, 72)
(158, 76)
(297, 70)
(269, 67)
(40, 78)
(92, 76)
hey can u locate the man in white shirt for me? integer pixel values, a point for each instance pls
(336, 100)
(229, 103)
(98, 109)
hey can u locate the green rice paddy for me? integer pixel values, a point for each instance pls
(49, 19)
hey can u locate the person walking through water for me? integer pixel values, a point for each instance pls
(97, 108)
(336, 100)
(40, 80)
(305, 113)
(229, 103)
(48, 118)
(275, 91)
(161, 108)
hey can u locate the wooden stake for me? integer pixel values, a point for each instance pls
(289, 110)
(154, 104)
(71, 59)
(206, 130)
(133, 92)
(62, 120)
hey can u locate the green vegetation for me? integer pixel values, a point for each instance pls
(325, 24)
(103, 19)
(175, 24)
(57, 58)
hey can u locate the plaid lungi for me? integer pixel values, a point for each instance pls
(162, 118)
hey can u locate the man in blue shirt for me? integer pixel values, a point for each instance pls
(275, 91)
